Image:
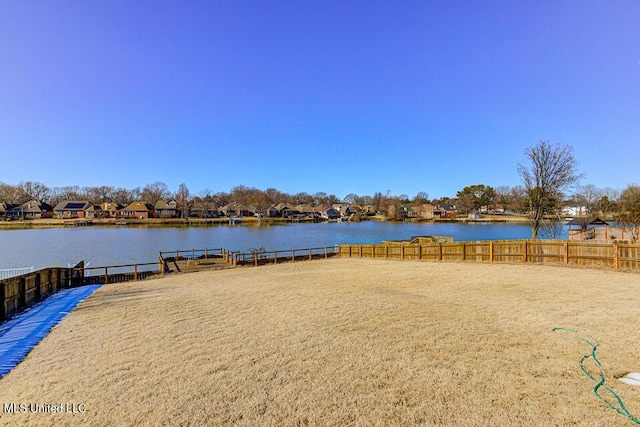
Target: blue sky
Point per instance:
(334, 96)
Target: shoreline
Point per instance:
(200, 222)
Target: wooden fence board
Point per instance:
(584, 254)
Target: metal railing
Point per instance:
(6, 273)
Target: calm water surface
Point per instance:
(127, 245)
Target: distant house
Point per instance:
(202, 209)
(93, 211)
(6, 209)
(137, 210)
(306, 210)
(237, 209)
(164, 209)
(33, 209)
(73, 209)
(282, 210)
(110, 209)
(449, 210)
(407, 211)
(345, 209)
(330, 213)
(575, 211)
(428, 211)
(272, 212)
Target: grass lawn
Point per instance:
(340, 342)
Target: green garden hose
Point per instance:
(618, 406)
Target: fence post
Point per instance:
(38, 291)
(524, 251)
(310, 256)
(349, 251)
(205, 253)
(135, 272)
(325, 253)
(106, 275)
(275, 257)
(22, 297)
(464, 251)
(566, 252)
(160, 263)
(491, 249)
(3, 296)
(255, 259)
(616, 256)
(293, 255)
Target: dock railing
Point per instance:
(262, 257)
(119, 273)
(615, 255)
(167, 258)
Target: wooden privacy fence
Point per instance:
(613, 255)
(20, 292)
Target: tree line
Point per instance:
(550, 181)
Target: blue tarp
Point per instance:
(20, 334)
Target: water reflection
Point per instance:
(126, 245)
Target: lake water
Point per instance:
(127, 245)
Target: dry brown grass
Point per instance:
(339, 342)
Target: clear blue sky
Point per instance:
(335, 96)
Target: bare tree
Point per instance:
(101, 194)
(350, 198)
(33, 190)
(587, 196)
(68, 192)
(123, 196)
(608, 200)
(9, 193)
(152, 193)
(627, 216)
(552, 171)
(421, 197)
(552, 227)
(517, 196)
(183, 197)
(501, 196)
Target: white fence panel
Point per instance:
(12, 272)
